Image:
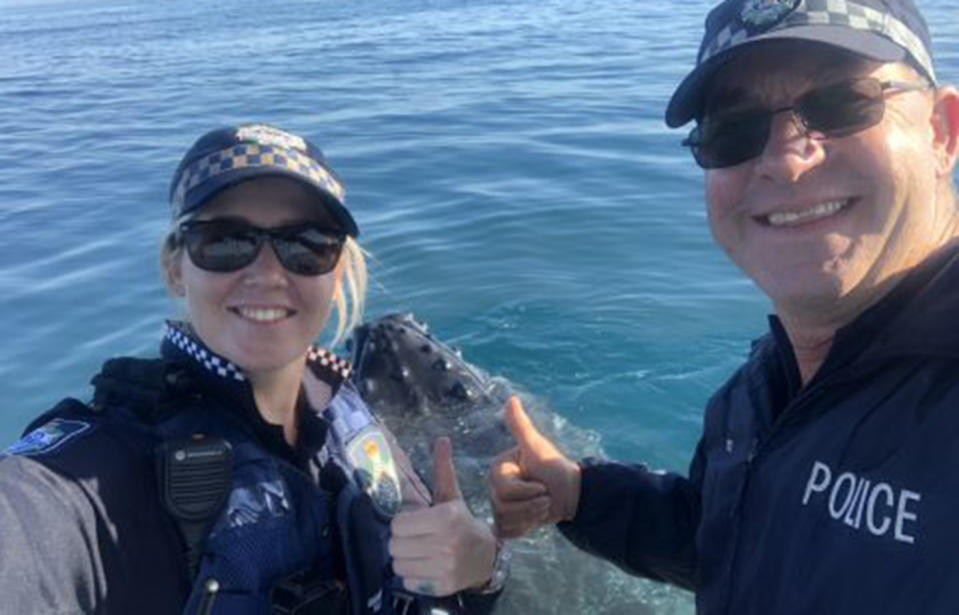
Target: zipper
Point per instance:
(210, 589)
(788, 417)
(756, 447)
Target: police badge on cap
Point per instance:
(265, 134)
(759, 15)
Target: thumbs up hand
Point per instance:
(533, 483)
(442, 549)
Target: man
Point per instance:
(825, 478)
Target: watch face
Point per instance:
(759, 15)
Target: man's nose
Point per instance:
(790, 151)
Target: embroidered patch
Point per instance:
(373, 462)
(762, 14)
(249, 504)
(47, 437)
(269, 135)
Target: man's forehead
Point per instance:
(781, 66)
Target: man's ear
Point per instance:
(945, 126)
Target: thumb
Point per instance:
(445, 486)
(523, 430)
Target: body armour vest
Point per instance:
(283, 529)
(289, 529)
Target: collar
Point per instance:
(915, 319)
(226, 383)
(181, 342)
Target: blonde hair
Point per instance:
(349, 304)
(349, 294)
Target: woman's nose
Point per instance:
(266, 267)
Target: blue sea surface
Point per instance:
(506, 160)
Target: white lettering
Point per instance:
(871, 509)
(856, 501)
(903, 515)
(851, 513)
(862, 503)
(843, 478)
(819, 485)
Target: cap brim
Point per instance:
(687, 101)
(214, 185)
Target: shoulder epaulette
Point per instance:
(154, 389)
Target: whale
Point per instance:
(421, 388)
(397, 362)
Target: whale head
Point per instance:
(398, 363)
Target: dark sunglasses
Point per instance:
(832, 111)
(224, 245)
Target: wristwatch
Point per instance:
(500, 569)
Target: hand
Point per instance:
(532, 484)
(442, 549)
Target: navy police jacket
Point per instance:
(85, 525)
(840, 496)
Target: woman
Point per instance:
(240, 472)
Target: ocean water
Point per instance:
(507, 163)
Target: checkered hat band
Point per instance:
(249, 155)
(205, 357)
(833, 13)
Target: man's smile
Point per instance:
(805, 215)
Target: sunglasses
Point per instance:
(224, 245)
(833, 111)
